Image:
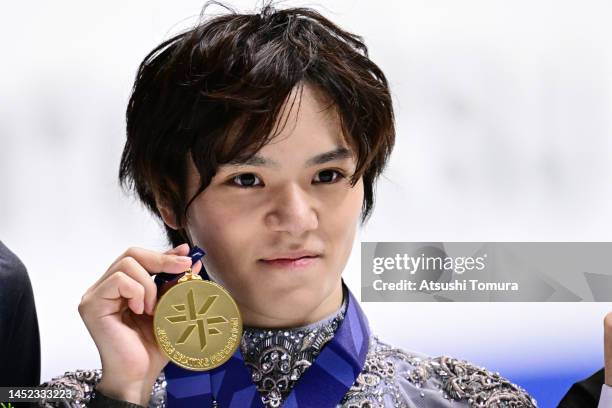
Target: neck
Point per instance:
(327, 307)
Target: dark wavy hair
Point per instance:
(216, 90)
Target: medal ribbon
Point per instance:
(323, 384)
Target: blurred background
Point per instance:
(503, 134)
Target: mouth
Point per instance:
(300, 262)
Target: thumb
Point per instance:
(181, 250)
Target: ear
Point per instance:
(166, 212)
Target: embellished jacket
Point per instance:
(391, 378)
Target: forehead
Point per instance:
(308, 123)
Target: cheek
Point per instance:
(351, 206)
(223, 232)
(216, 218)
(341, 221)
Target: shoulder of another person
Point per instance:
(12, 271)
(393, 377)
(83, 382)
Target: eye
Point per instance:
(328, 176)
(245, 180)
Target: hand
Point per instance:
(118, 312)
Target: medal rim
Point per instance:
(229, 356)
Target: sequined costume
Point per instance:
(391, 377)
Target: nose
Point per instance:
(292, 211)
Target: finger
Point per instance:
(174, 261)
(142, 254)
(117, 287)
(152, 261)
(156, 262)
(182, 249)
(196, 268)
(134, 270)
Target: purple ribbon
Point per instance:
(323, 384)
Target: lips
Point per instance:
(292, 263)
(294, 255)
(295, 259)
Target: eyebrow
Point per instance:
(339, 153)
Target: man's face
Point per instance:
(292, 198)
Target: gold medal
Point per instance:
(197, 324)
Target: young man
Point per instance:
(259, 137)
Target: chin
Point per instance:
(294, 298)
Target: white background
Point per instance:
(503, 134)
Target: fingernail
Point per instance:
(183, 259)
